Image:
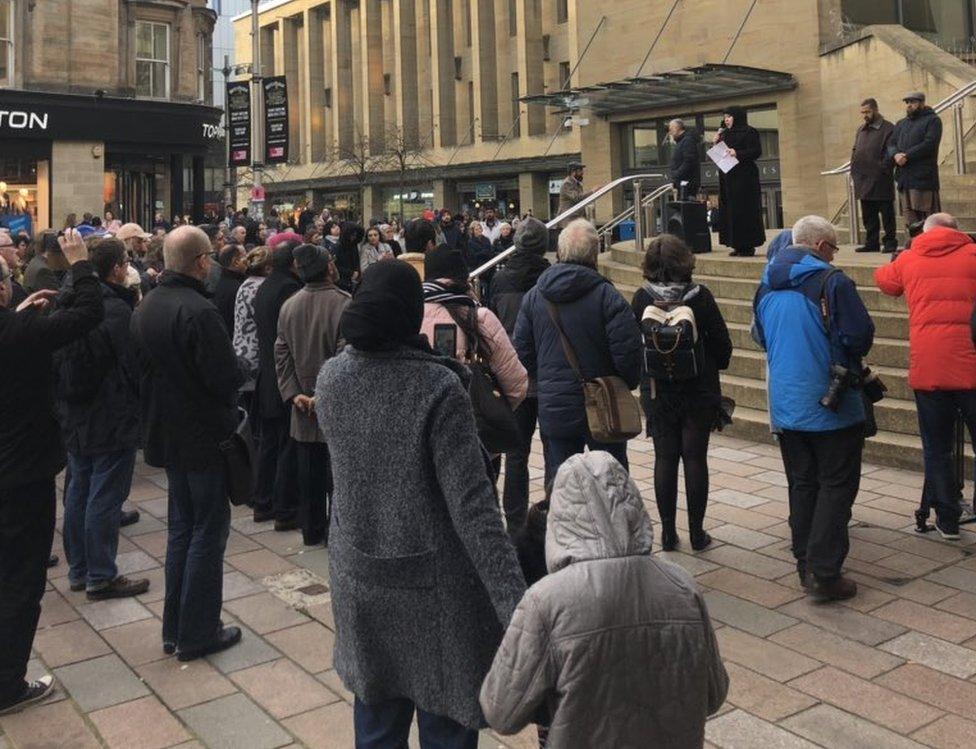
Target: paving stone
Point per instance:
(140, 724)
(69, 643)
(747, 561)
(334, 683)
(963, 604)
(289, 542)
(731, 454)
(238, 585)
(843, 621)
(934, 687)
(325, 728)
(153, 543)
(316, 560)
(259, 564)
(234, 722)
(763, 656)
(758, 695)
(251, 651)
(745, 615)
(265, 613)
(867, 551)
(181, 685)
(245, 524)
(323, 613)
(828, 726)
(692, 564)
(158, 508)
(910, 565)
(867, 699)
(744, 538)
(741, 517)
(950, 732)
(148, 523)
(113, 613)
(929, 620)
(101, 682)
(938, 550)
(921, 591)
(867, 599)
(740, 730)
(238, 543)
(735, 498)
(132, 562)
(282, 688)
(935, 653)
(309, 645)
(49, 726)
(955, 577)
(755, 589)
(838, 651)
(137, 643)
(55, 610)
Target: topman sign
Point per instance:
(19, 120)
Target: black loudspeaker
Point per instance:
(688, 219)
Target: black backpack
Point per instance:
(672, 348)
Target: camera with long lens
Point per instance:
(842, 379)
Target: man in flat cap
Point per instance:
(572, 191)
(914, 149)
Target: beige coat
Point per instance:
(570, 194)
(308, 335)
(615, 643)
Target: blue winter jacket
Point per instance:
(602, 329)
(789, 326)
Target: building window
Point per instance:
(202, 64)
(152, 60)
(564, 74)
(516, 129)
(467, 23)
(562, 11)
(512, 17)
(6, 43)
(945, 23)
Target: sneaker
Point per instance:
(120, 587)
(34, 692)
(169, 647)
(835, 589)
(128, 517)
(922, 521)
(53, 561)
(966, 514)
(948, 529)
(226, 638)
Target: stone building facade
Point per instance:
(462, 103)
(119, 93)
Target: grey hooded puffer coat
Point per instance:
(615, 643)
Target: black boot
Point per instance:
(669, 535)
(700, 539)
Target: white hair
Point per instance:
(810, 231)
(678, 123)
(940, 219)
(578, 243)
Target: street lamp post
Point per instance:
(257, 124)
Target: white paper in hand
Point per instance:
(719, 153)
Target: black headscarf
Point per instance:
(387, 310)
(740, 118)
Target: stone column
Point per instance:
(484, 67)
(343, 111)
(442, 73)
(287, 64)
(530, 65)
(407, 88)
(313, 111)
(77, 178)
(371, 43)
(534, 194)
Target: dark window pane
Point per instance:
(870, 11)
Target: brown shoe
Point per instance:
(120, 587)
(835, 589)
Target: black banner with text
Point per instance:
(275, 120)
(239, 123)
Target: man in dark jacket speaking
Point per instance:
(189, 380)
(873, 173)
(685, 167)
(601, 328)
(914, 149)
(31, 454)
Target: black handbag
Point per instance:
(238, 453)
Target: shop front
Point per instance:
(62, 154)
(408, 202)
(501, 194)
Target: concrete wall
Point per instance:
(78, 170)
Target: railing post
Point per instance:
(638, 217)
(958, 133)
(852, 209)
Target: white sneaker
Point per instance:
(37, 691)
(966, 512)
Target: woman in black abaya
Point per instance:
(740, 200)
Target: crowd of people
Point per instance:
(385, 390)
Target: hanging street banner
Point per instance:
(239, 123)
(275, 120)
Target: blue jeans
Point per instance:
(199, 523)
(560, 449)
(97, 487)
(386, 725)
(936, 421)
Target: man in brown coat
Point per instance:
(572, 191)
(873, 175)
(308, 335)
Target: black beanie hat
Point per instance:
(443, 262)
(532, 236)
(387, 310)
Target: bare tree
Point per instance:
(403, 155)
(356, 158)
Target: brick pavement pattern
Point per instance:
(894, 667)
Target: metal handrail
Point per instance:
(554, 222)
(629, 212)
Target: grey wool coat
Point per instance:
(424, 576)
(616, 644)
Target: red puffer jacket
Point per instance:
(938, 278)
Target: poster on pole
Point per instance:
(275, 120)
(239, 123)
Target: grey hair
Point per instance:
(809, 231)
(578, 243)
(677, 122)
(940, 219)
(183, 246)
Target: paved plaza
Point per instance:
(894, 667)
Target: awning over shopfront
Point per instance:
(674, 90)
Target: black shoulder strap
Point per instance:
(567, 346)
(822, 297)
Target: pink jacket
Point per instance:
(504, 363)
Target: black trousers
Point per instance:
(684, 440)
(875, 213)
(516, 492)
(314, 491)
(277, 481)
(824, 474)
(26, 534)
